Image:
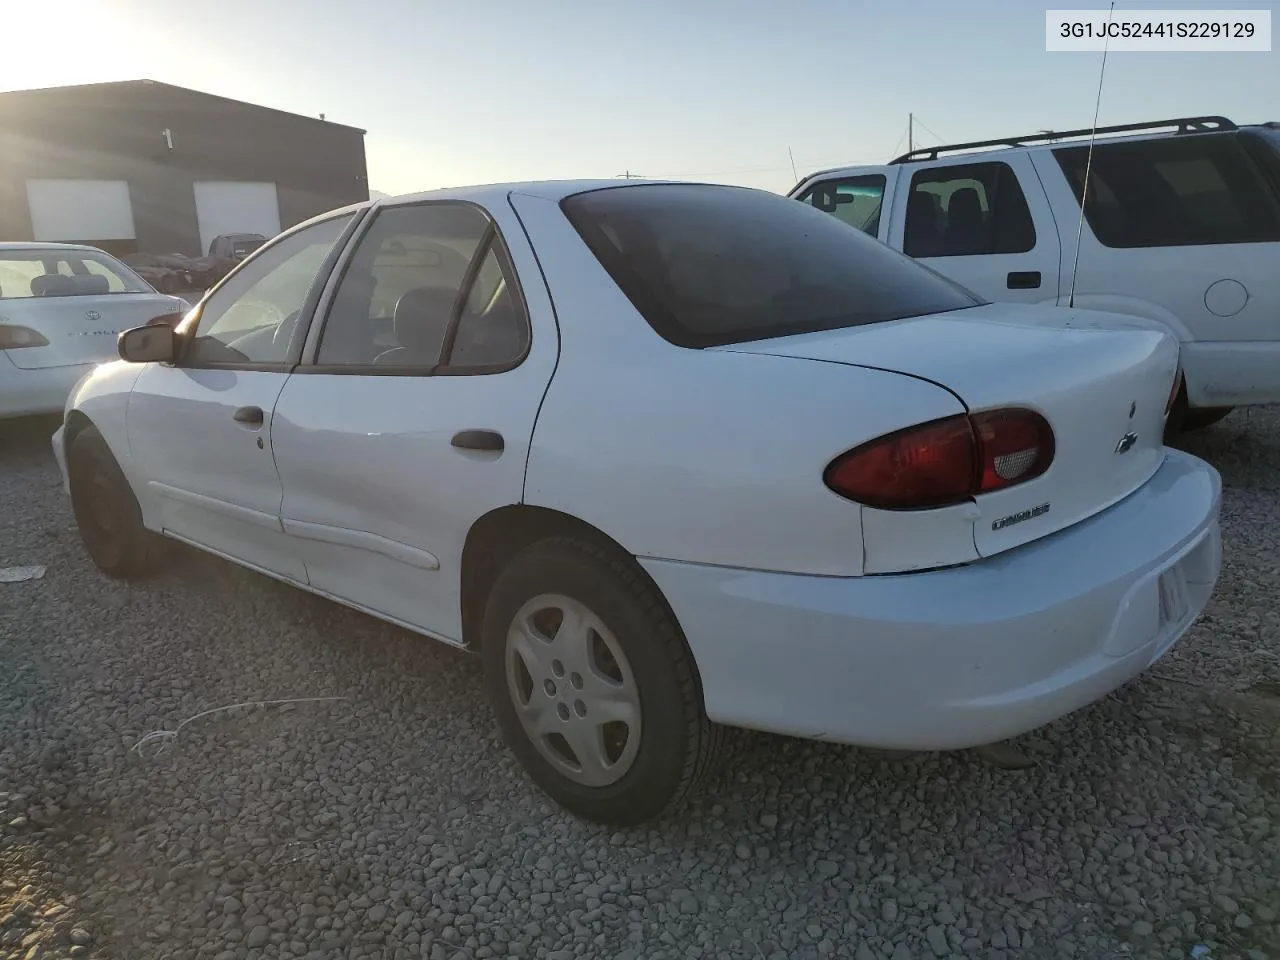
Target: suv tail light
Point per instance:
(12, 337)
(946, 461)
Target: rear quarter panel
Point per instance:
(701, 456)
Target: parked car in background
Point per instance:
(167, 273)
(667, 456)
(235, 246)
(1181, 226)
(61, 308)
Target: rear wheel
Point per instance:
(1200, 417)
(106, 510)
(594, 688)
(1185, 419)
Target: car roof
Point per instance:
(27, 246)
(996, 150)
(485, 194)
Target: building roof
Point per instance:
(125, 86)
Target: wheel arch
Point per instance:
(500, 534)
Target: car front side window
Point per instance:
(855, 200)
(251, 319)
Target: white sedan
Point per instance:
(61, 308)
(668, 457)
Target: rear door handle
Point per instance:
(1024, 280)
(489, 441)
(249, 416)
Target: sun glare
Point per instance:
(97, 41)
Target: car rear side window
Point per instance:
(1176, 191)
(974, 209)
(855, 200)
(429, 288)
(714, 265)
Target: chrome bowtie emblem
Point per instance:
(1126, 442)
(93, 315)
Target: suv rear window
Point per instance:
(713, 265)
(1176, 191)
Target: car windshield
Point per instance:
(64, 273)
(712, 265)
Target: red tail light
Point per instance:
(945, 462)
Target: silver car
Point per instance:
(61, 308)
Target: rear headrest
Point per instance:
(422, 319)
(91, 284)
(52, 285)
(965, 208)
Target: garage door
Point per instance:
(225, 206)
(80, 211)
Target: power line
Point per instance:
(920, 123)
(806, 164)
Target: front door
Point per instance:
(859, 197)
(200, 429)
(987, 225)
(412, 412)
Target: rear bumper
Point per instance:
(964, 656)
(1232, 373)
(43, 390)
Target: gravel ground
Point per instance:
(391, 822)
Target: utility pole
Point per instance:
(911, 139)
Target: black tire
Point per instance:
(677, 743)
(1197, 418)
(106, 510)
(1185, 419)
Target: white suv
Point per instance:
(1182, 226)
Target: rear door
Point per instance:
(412, 413)
(1185, 229)
(985, 224)
(860, 197)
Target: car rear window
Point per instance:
(712, 265)
(1174, 191)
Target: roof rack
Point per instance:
(1184, 125)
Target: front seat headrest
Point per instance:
(421, 320)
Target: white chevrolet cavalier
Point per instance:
(669, 457)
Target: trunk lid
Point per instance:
(81, 329)
(1101, 380)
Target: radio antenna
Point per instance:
(1088, 164)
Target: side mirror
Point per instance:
(154, 343)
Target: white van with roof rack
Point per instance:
(1181, 226)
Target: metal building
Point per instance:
(146, 166)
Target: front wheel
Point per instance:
(594, 688)
(106, 510)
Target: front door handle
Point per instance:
(1024, 280)
(249, 416)
(490, 441)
